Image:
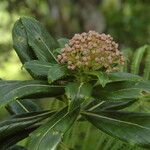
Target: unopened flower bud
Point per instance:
(90, 50)
(59, 57)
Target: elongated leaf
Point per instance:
(10, 129)
(50, 134)
(17, 147)
(96, 105)
(23, 106)
(38, 68)
(11, 90)
(40, 40)
(77, 93)
(122, 94)
(123, 76)
(102, 77)
(78, 90)
(56, 72)
(137, 59)
(133, 128)
(20, 42)
(131, 93)
(128, 53)
(147, 65)
(145, 85)
(122, 91)
(15, 138)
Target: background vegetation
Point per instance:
(126, 20)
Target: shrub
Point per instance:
(93, 90)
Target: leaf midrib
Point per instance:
(40, 65)
(112, 119)
(49, 130)
(34, 85)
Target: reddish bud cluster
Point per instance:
(91, 51)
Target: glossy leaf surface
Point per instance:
(24, 106)
(40, 40)
(96, 105)
(122, 91)
(78, 90)
(38, 68)
(133, 128)
(20, 43)
(10, 129)
(123, 76)
(14, 90)
(49, 135)
(56, 72)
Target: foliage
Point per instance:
(128, 19)
(100, 103)
(138, 62)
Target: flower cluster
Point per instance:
(91, 51)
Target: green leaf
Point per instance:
(130, 93)
(56, 72)
(122, 94)
(49, 135)
(102, 77)
(15, 90)
(146, 71)
(127, 52)
(123, 76)
(17, 147)
(57, 51)
(122, 91)
(38, 68)
(77, 93)
(133, 128)
(40, 40)
(78, 90)
(20, 43)
(145, 85)
(137, 58)
(96, 105)
(23, 106)
(24, 124)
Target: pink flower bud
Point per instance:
(72, 67)
(77, 57)
(59, 57)
(69, 62)
(89, 50)
(97, 59)
(86, 63)
(84, 59)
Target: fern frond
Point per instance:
(146, 73)
(137, 58)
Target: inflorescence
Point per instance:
(91, 51)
